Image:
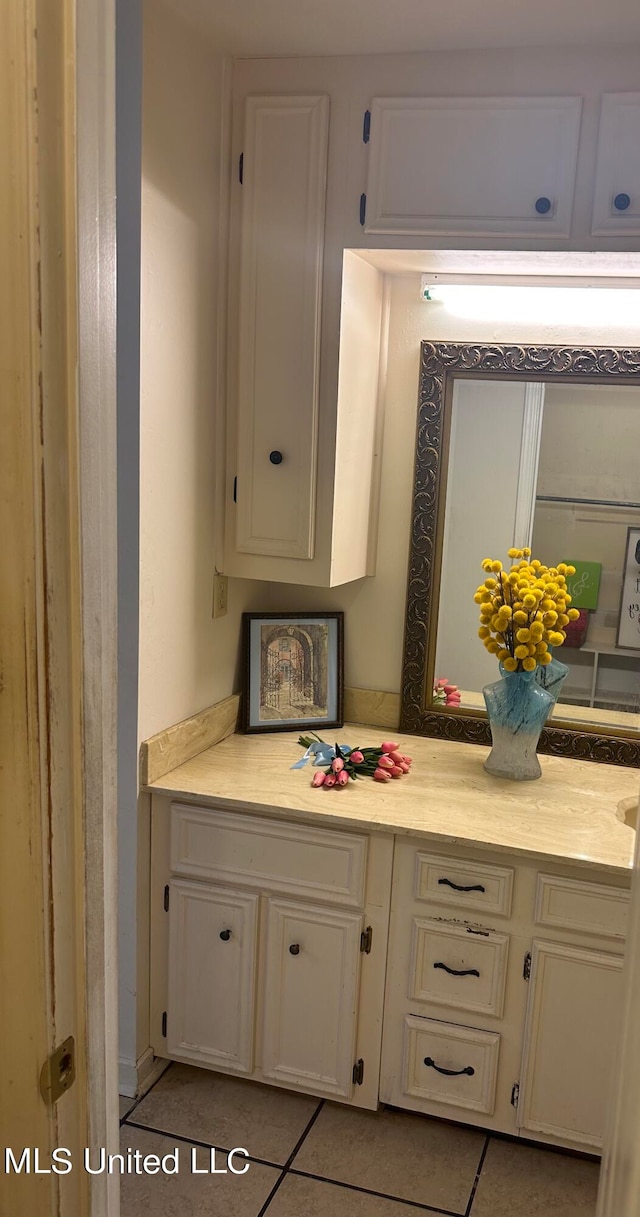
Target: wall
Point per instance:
(374, 607)
(187, 660)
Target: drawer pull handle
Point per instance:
(449, 1073)
(453, 972)
(475, 887)
(225, 935)
(294, 949)
(275, 457)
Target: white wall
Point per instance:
(187, 660)
(375, 607)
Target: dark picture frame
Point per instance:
(293, 671)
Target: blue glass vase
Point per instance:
(517, 707)
(552, 677)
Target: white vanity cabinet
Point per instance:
(468, 165)
(269, 948)
(503, 993)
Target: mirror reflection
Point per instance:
(553, 466)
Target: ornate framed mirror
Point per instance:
(526, 445)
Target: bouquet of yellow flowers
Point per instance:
(523, 611)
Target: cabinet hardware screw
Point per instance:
(225, 935)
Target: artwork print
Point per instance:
(293, 670)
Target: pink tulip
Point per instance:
(451, 688)
(387, 746)
(396, 757)
(407, 760)
(356, 756)
(318, 779)
(380, 775)
(404, 767)
(396, 772)
(330, 780)
(385, 762)
(444, 680)
(342, 779)
(337, 765)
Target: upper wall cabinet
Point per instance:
(616, 200)
(304, 362)
(467, 165)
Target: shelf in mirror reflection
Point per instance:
(564, 710)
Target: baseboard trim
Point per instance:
(135, 1078)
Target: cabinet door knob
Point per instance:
(449, 1073)
(621, 202)
(543, 205)
(275, 457)
(294, 949)
(225, 935)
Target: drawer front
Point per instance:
(467, 885)
(450, 967)
(268, 855)
(586, 908)
(444, 1063)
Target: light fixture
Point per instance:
(577, 306)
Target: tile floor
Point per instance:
(310, 1158)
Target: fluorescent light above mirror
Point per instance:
(551, 305)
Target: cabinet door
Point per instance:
(282, 240)
(212, 963)
(464, 165)
(311, 993)
(616, 200)
(571, 1033)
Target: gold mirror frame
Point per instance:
(440, 365)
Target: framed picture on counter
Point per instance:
(293, 671)
(629, 620)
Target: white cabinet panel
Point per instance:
(212, 961)
(282, 241)
(450, 1064)
(270, 855)
(571, 1034)
(465, 165)
(312, 971)
(616, 199)
(467, 885)
(585, 908)
(451, 968)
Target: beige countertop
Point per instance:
(569, 814)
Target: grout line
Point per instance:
(174, 1136)
(287, 1165)
(477, 1178)
(368, 1191)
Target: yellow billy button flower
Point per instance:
(521, 652)
(541, 648)
(523, 635)
(550, 618)
(556, 639)
(571, 570)
(563, 619)
(529, 601)
(520, 617)
(492, 646)
(510, 664)
(573, 614)
(490, 584)
(484, 631)
(514, 553)
(496, 566)
(529, 664)
(486, 564)
(545, 658)
(504, 654)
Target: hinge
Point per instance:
(166, 898)
(363, 208)
(515, 1094)
(235, 490)
(164, 1024)
(366, 127)
(366, 939)
(58, 1072)
(358, 1072)
(241, 168)
(526, 971)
